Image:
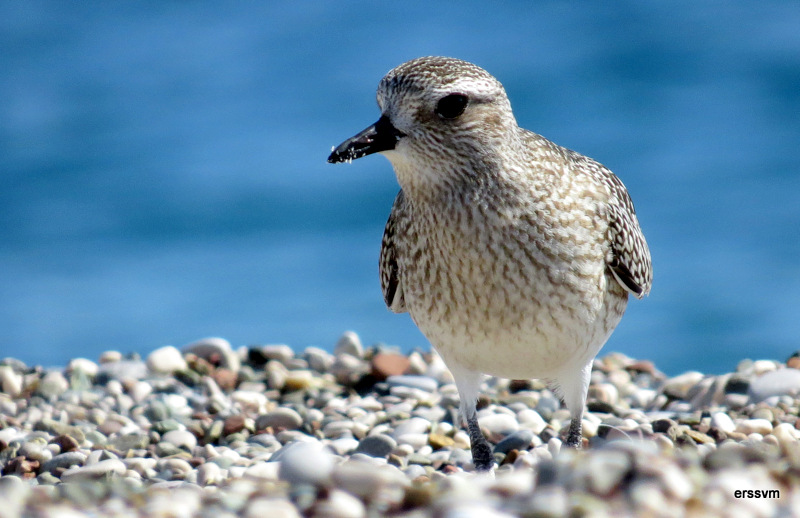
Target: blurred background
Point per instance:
(163, 174)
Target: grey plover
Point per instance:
(513, 255)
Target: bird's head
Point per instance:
(435, 110)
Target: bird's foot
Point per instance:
(482, 456)
(574, 435)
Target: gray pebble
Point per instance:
(306, 463)
(64, 460)
(349, 343)
(378, 445)
(318, 359)
(281, 417)
(101, 470)
(519, 440)
(775, 383)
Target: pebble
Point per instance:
(215, 350)
(166, 360)
(282, 417)
(306, 463)
(349, 343)
(321, 434)
(775, 383)
(423, 383)
(518, 440)
(180, 439)
(378, 445)
(103, 469)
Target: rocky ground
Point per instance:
(267, 432)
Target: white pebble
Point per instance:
(166, 360)
(723, 421)
(750, 426)
(306, 463)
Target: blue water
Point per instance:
(163, 174)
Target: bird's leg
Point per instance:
(482, 455)
(468, 383)
(574, 436)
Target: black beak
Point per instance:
(381, 136)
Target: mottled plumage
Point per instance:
(513, 255)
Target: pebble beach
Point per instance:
(210, 430)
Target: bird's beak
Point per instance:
(381, 136)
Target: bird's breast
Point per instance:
(476, 278)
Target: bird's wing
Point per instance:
(390, 274)
(629, 261)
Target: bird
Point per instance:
(514, 256)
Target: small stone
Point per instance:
(389, 364)
(340, 504)
(180, 439)
(723, 421)
(365, 479)
(412, 425)
(519, 440)
(166, 360)
(64, 460)
(10, 381)
(318, 359)
(306, 463)
(775, 383)
(280, 352)
(88, 367)
(349, 343)
(215, 350)
(209, 473)
(378, 445)
(65, 443)
(699, 437)
(104, 469)
(281, 418)
(760, 426)
(110, 357)
(299, 380)
(225, 378)
(679, 386)
(439, 441)
(276, 374)
(131, 441)
(52, 385)
(498, 424)
(234, 424)
(424, 383)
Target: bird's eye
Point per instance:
(451, 106)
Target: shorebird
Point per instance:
(514, 256)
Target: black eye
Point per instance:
(451, 106)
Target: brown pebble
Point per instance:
(389, 364)
(233, 424)
(449, 468)
(794, 361)
(439, 441)
(645, 366)
(65, 443)
(700, 437)
(511, 457)
(21, 466)
(225, 378)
